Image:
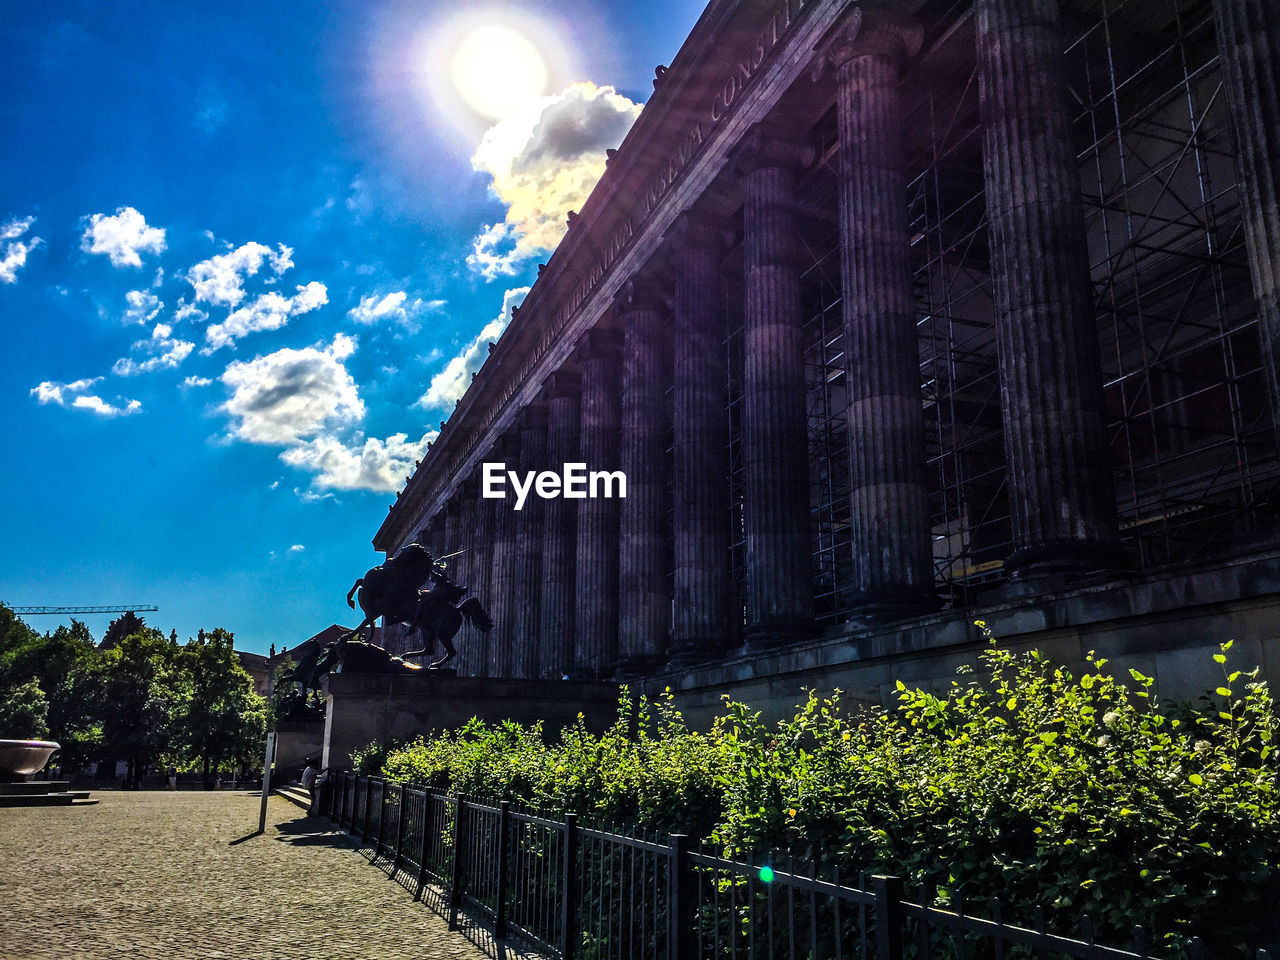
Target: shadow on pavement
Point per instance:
(312, 832)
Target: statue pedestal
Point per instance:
(297, 739)
(363, 707)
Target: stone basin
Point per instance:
(23, 757)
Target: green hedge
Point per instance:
(1024, 781)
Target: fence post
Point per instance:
(679, 935)
(348, 802)
(504, 828)
(422, 848)
(382, 819)
(368, 795)
(457, 869)
(569, 889)
(395, 863)
(889, 896)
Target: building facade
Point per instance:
(896, 316)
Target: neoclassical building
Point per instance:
(896, 316)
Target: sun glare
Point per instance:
(496, 69)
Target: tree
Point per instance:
(23, 709)
(222, 720)
(125, 625)
(143, 689)
(23, 706)
(70, 671)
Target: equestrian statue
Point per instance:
(395, 591)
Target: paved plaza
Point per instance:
(152, 875)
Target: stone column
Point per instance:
(560, 526)
(1060, 491)
(775, 455)
(462, 572)
(526, 658)
(596, 612)
(702, 628)
(482, 577)
(502, 582)
(453, 532)
(644, 604)
(1249, 47)
(888, 505)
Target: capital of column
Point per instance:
(561, 385)
(597, 344)
(637, 294)
(766, 145)
(507, 445)
(696, 231)
(888, 34)
(533, 417)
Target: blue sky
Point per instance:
(249, 255)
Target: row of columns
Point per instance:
(581, 587)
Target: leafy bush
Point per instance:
(1024, 782)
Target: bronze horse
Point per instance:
(394, 591)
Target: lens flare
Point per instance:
(496, 69)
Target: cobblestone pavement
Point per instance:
(158, 875)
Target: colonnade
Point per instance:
(581, 587)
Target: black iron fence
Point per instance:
(579, 893)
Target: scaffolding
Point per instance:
(1192, 442)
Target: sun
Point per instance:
(496, 69)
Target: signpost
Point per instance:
(266, 780)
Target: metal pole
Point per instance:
(266, 780)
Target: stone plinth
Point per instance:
(296, 740)
(367, 707)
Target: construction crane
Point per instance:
(126, 608)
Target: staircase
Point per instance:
(295, 794)
(43, 793)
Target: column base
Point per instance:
(881, 607)
(635, 667)
(763, 637)
(693, 652)
(1069, 559)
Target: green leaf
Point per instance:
(1196, 779)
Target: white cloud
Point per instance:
(72, 396)
(394, 307)
(194, 381)
(164, 352)
(16, 227)
(103, 409)
(50, 391)
(270, 311)
(378, 465)
(122, 236)
(220, 279)
(13, 252)
(544, 160)
(143, 306)
(291, 395)
(297, 548)
(448, 386)
(189, 312)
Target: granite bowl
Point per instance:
(23, 757)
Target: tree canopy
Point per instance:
(139, 696)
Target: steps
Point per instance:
(295, 794)
(43, 793)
